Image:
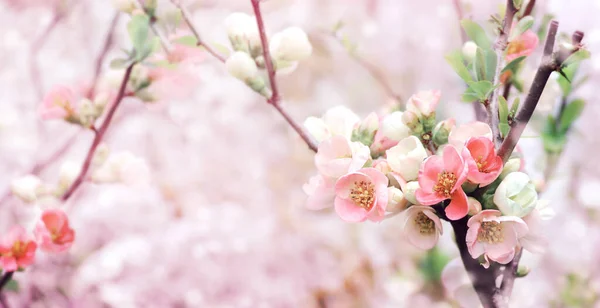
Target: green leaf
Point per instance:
(577, 57)
(523, 25)
(138, 29)
(455, 60)
(490, 64)
(503, 115)
(12, 285)
(476, 33)
(481, 89)
(570, 114)
(187, 40)
(120, 63)
(433, 264)
(479, 64)
(513, 65)
(564, 80)
(514, 107)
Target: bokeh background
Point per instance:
(217, 218)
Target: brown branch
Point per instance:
(548, 65)
(99, 135)
(108, 41)
(200, 42)
(528, 8)
(275, 99)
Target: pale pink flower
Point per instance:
(494, 236)
(361, 195)
(320, 191)
(59, 103)
(534, 240)
(53, 232)
(424, 103)
(440, 178)
(337, 156)
(484, 165)
(422, 226)
(17, 250)
(462, 133)
(523, 45)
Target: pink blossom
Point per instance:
(422, 226)
(337, 156)
(424, 103)
(440, 178)
(484, 165)
(320, 191)
(17, 250)
(186, 54)
(53, 232)
(59, 103)
(462, 133)
(523, 45)
(361, 195)
(494, 236)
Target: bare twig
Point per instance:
(200, 42)
(275, 98)
(99, 135)
(528, 8)
(108, 41)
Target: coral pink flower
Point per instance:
(337, 156)
(494, 236)
(320, 191)
(440, 178)
(59, 103)
(523, 45)
(17, 250)
(361, 195)
(53, 232)
(422, 226)
(484, 165)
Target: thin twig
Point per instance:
(200, 42)
(108, 41)
(99, 135)
(460, 15)
(36, 46)
(275, 98)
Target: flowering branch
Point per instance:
(199, 42)
(99, 134)
(275, 98)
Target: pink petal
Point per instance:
(428, 198)
(459, 206)
(348, 211)
(430, 169)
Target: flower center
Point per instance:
(17, 250)
(445, 183)
(426, 225)
(363, 194)
(515, 47)
(490, 232)
(481, 164)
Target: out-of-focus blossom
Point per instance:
(125, 6)
(523, 45)
(458, 285)
(516, 195)
(534, 240)
(337, 121)
(320, 191)
(17, 250)
(494, 236)
(422, 226)
(291, 44)
(53, 232)
(462, 133)
(396, 200)
(123, 167)
(440, 178)
(424, 103)
(68, 172)
(27, 188)
(337, 156)
(406, 157)
(361, 195)
(242, 31)
(59, 103)
(484, 164)
(241, 66)
(469, 49)
(181, 53)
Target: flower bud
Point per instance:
(243, 32)
(409, 192)
(512, 165)
(291, 44)
(474, 206)
(67, 174)
(469, 50)
(365, 132)
(396, 200)
(27, 188)
(406, 157)
(424, 103)
(393, 128)
(257, 83)
(101, 154)
(241, 66)
(516, 195)
(442, 131)
(125, 6)
(382, 165)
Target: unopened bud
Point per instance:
(241, 66)
(243, 32)
(27, 188)
(396, 200)
(409, 192)
(442, 131)
(365, 132)
(522, 271)
(291, 44)
(258, 84)
(512, 165)
(474, 206)
(469, 50)
(67, 174)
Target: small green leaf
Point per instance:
(433, 264)
(518, 84)
(564, 79)
(456, 62)
(479, 64)
(523, 25)
(490, 64)
(119, 63)
(514, 107)
(12, 285)
(504, 129)
(476, 33)
(470, 96)
(570, 114)
(138, 29)
(502, 109)
(513, 65)
(518, 4)
(577, 57)
(187, 40)
(482, 89)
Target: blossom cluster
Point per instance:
(52, 234)
(406, 162)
